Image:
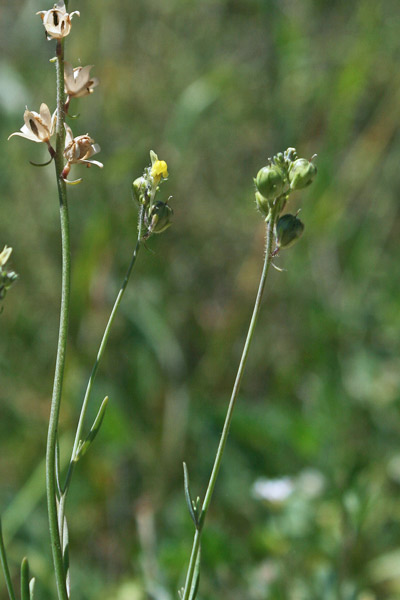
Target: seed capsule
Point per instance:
(288, 230)
(270, 181)
(160, 217)
(301, 173)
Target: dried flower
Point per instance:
(5, 255)
(78, 82)
(38, 127)
(78, 150)
(56, 21)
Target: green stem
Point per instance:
(51, 485)
(228, 418)
(6, 570)
(100, 353)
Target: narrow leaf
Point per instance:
(84, 445)
(57, 467)
(4, 564)
(32, 588)
(188, 496)
(25, 579)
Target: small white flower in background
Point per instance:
(56, 21)
(275, 491)
(310, 482)
(79, 150)
(78, 82)
(5, 255)
(39, 127)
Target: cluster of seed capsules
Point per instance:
(274, 183)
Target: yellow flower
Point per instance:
(159, 169)
(56, 21)
(78, 82)
(5, 255)
(39, 127)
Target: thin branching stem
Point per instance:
(93, 373)
(51, 483)
(224, 436)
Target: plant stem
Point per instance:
(100, 353)
(6, 570)
(231, 406)
(51, 486)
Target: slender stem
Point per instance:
(51, 485)
(6, 570)
(231, 406)
(100, 353)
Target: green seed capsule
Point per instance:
(301, 173)
(160, 217)
(263, 204)
(270, 181)
(288, 230)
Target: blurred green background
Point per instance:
(308, 501)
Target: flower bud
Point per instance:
(288, 230)
(263, 204)
(139, 190)
(5, 255)
(270, 181)
(160, 217)
(301, 173)
(7, 279)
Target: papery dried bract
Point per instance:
(56, 21)
(79, 150)
(78, 82)
(38, 127)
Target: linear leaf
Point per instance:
(84, 445)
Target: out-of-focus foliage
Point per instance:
(214, 87)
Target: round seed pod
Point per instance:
(288, 230)
(301, 173)
(270, 181)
